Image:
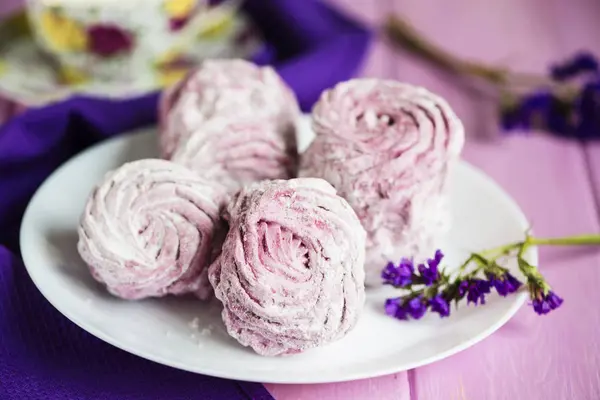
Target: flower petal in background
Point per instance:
(178, 9)
(588, 108)
(107, 40)
(568, 111)
(62, 33)
(541, 110)
(72, 76)
(580, 63)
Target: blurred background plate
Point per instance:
(30, 77)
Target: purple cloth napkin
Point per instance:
(42, 354)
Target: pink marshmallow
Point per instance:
(233, 90)
(290, 275)
(148, 230)
(238, 153)
(387, 148)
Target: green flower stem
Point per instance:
(522, 250)
(579, 240)
(404, 35)
(501, 250)
(466, 263)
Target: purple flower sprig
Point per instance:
(543, 299)
(568, 104)
(432, 288)
(404, 274)
(564, 101)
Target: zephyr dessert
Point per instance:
(290, 275)
(290, 272)
(148, 230)
(387, 147)
(232, 91)
(238, 153)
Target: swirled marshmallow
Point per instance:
(387, 148)
(290, 275)
(148, 230)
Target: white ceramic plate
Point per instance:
(187, 334)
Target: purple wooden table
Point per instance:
(556, 182)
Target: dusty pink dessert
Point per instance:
(290, 275)
(238, 153)
(387, 147)
(232, 90)
(148, 229)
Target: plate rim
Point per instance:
(517, 302)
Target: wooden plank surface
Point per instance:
(552, 357)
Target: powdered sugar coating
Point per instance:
(290, 275)
(148, 230)
(235, 90)
(238, 153)
(387, 148)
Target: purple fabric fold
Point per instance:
(42, 354)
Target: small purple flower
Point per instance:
(109, 40)
(538, 101)
(176, 24)
(439, 305)
(540, 110)
(416, 307)
(543, 110)
(477, 289)
(400, 275)
(463, 288)
(544, 304)
(511, 119)
(580, 63)
(505, 284)
(588, 108)
(393, 308)
(437, 258)
(430, 274)
(559, 117)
